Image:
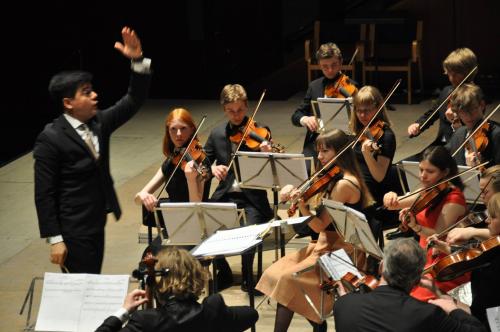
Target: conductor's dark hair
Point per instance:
(66, 83)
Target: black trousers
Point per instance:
(85, 254)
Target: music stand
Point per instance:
(266, 170)
(183, 219)
(353, 226)
(330, 110)
(469, 179)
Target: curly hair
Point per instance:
(185, 277)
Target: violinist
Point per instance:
(219, 147)
(187, 184)
(484, 280)
(334, 84)
(390, 307)
(434, 210)
(346, 186)
(468, 102)
(375, 150)
(456, 66)
(177, 292)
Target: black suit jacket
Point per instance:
(315, 90)
(445, 129)
(491, 153)
(189, 315)
(218, 148)
(73, 191)
(390, 309)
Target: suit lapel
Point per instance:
(69, 131)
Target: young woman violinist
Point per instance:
(186, 184)
(441, 212)
(277, 282)
(484, 280)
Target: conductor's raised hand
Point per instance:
(131, 46)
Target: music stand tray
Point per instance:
(353, 226)
(266, 170)
(335, 112)
(469, 179)
(191, 223)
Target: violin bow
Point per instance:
(247, 127)
(183, 156)
(381, 107)
(471, 135)
(442, 181)
(446, 99)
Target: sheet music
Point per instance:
(336, 264)
(231, 241)
(79, 302)
(494, 318)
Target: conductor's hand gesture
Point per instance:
(131, 46)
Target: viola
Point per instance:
(374, 134)
(197, 154)
(465, 260)
(317, 186)
(342, 88)
(254, 137)
(427, 198)
(352, 283)
(480, 139)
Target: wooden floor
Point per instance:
(135, 157)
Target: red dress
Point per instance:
(428, 218)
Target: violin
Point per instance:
(196, 153)
(255, 136)
(374, 134)
(472, 218)
(317, 186)
(427, 198)
(465, 260)
(479, 139)
(352, 283)
(342, 88)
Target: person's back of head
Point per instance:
(403, 264)
(66, 83)
(185, 277)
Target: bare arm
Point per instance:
(145, 196)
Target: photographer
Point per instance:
(177, 292)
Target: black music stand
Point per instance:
(266, 170)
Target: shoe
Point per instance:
(397, 234)
(224, 280)
(256, 292)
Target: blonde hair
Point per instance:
(467, 97)
(185, 277)
(461, 61)
(327, 51)
(494, 172)
(367, 95)
(494, 206)
(232, 93)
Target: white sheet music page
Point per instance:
(494, 318)
(337, 263)
(79, 302)
(230, 241)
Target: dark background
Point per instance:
(198, 46)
